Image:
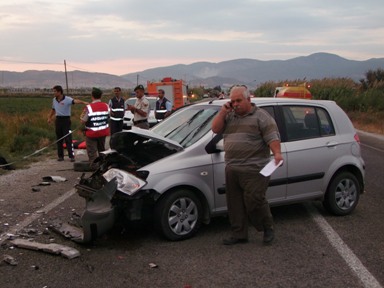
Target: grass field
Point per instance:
(24, 127)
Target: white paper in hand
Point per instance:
(270, 168)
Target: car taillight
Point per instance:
(357, 138)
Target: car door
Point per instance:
(310, 147)
(277, 189)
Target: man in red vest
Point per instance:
(95, 117)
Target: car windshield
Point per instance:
(152, 102)
(187, 125)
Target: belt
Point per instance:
(140, 121)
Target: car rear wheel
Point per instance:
(178, 215)
(343, 194)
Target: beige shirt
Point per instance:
(142, 104)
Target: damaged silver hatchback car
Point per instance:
(173, 174)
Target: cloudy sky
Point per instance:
(125, 36)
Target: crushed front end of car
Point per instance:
(117, 188)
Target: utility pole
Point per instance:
(66, 76)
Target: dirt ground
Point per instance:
(25, 191)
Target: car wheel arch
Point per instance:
(347, 168)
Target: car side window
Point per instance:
(306, 122)
(270, 110)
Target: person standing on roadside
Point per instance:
(163, 106)
(95, 118)
(61, 108)
(116, 105)
(141, 109)
(249, 134)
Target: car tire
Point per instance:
(178, 215)
(343, 194)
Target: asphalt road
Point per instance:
(312, 248)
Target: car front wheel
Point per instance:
(343, 194)
(178, 215)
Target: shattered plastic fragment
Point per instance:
(153, 265)
(54, 179)
(11, 236)
(10, 260)
(52, 248)
(44, 183)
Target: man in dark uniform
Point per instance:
(116, 105)
(163, 106)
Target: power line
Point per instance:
(82, 69)
(30, 62)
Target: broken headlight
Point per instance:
(126, 182)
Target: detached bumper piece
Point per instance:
(98, 216)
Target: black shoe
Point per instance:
(269, 235)
(60, 159)
(233, 241)
(72, 160)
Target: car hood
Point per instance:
(137, 133)
(136, 148)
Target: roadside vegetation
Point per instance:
(24, 128)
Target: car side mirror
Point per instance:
(220, 145)
(216, 145)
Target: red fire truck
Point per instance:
(175, 90)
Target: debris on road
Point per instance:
(54, 179)
(52, 248)
(153, 265)
(47, 180)
(67, 230)
(44, 183)
(10, 260)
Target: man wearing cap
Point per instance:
(95, 117)
(141, 109)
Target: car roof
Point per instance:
(337, 113)
(268, 100)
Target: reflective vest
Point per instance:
(98, 116)
(161, 108)
(117, 107)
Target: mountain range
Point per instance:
(240, 71)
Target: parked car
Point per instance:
(174, 172)
(128, 116)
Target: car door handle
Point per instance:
(332, 144)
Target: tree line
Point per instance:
(367, 95)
